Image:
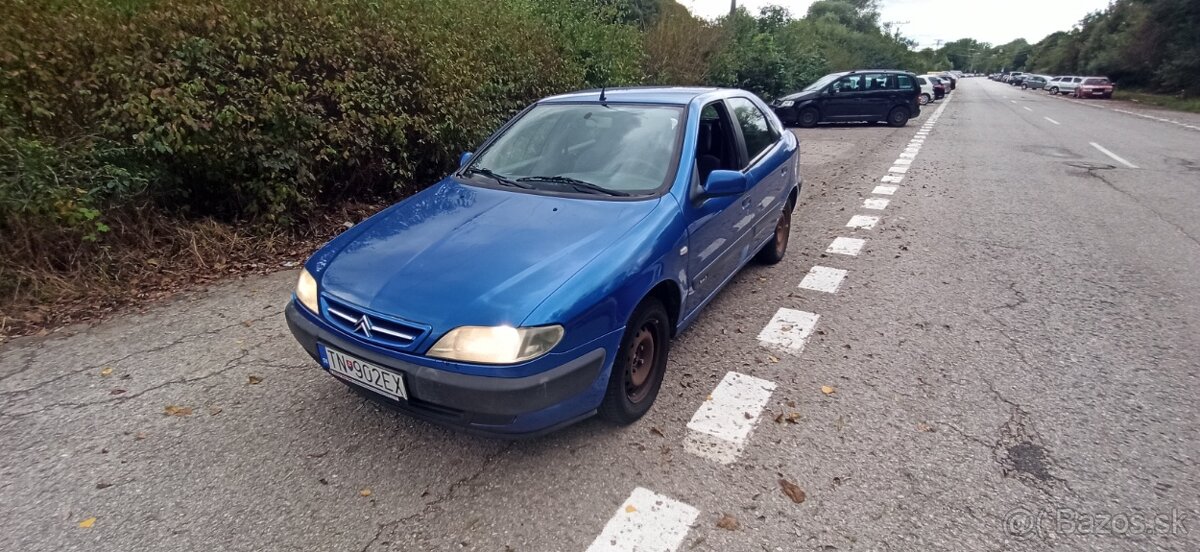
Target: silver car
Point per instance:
(1063, 85)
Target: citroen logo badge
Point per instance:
(363, 326)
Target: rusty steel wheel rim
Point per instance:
(640, 365)
(782, 231)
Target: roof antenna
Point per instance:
(603, 98)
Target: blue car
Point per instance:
(541, 282)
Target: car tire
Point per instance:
(808, 117)
(1024, 87)
(898, 117)
(1054, 91)
(773, 251)
(924, 99)
(641, 362)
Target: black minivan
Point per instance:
(867, 95)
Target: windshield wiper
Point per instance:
(579, 185)
(499, 178)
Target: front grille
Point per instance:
(372, 327)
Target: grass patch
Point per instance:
(1169, 101)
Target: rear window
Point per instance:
(1096, 82)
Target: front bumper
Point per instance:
(533, 404)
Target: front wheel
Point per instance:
(1054, 91)
(774, 250)
(924, 99)
(808, 118)
(898, 117)
(637, 372)
(1024, 87)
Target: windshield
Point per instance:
(1097, 82)
(586, 148)
(822, 82)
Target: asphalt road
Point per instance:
(1012, 358)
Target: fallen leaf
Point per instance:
(107, 371)
(254, 380)
(791, 404)
(656, 431)
(828, 390)
(629, 509)
(793, 491)
(139, 436)
(708, 398)
(793, 418)
(773, 359)
(365, 492)
(779, 418)
(922, 426)
(728, 523)
(214, 410)
(87, 523)
(172, 410)
(103, 485)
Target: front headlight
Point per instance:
(496, 344)
(306, 291)
(787, 103)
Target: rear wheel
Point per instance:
(1024, 87)
(898, 117)
(774, 250)
(924, 99)
(641, 363)
(1054, 91)
(808, 117)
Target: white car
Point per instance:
(926, 91)
(1063, 85)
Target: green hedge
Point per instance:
(259, 108)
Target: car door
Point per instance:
(878, 92)
(840, 99)
(766, 172)
(712, 252)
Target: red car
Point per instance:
(1094, 87)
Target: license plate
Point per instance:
(1097, 91)
(375, 378)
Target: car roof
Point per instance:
(670, 95)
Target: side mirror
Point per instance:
(464, 158)
(724, 183)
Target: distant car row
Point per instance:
(1079, 87)
(871, 95)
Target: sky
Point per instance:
(928, 21)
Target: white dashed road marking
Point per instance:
(862, 221)
(884, 190)
(892, 178)
(876, 203)
(1113, 155)
(823, 278)
(900, 170)
(1051, 120)
(1026, 108)
(788, 330)
(846, 246)
(646, 521)
(720, 428)
(903, 161)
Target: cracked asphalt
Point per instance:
(1018, 340)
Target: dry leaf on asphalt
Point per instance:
(87, 523)
(107, 371)
(793, 418)
(629, 509)
(365, 492)
(728, 523)
(773, 359)
(214, 410)
(922, 426)
(254, 380)
(828, 390)
(793, 491)
(172, 410)
(656, 431)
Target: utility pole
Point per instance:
(732, 7)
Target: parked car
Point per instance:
(1064, 85)
(871, 95)
(541, 282)
(950, 79)
(928, 93)
(1094, 87)
(940, 88)
(1033, 82)
(1018, 79)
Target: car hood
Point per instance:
(799, 96)
(457, 254)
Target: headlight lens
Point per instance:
(787, 103)
(496, 344)
(306, 291)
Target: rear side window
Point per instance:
(758, 133)
(921, 80)
(877, 81)
(906, 83)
